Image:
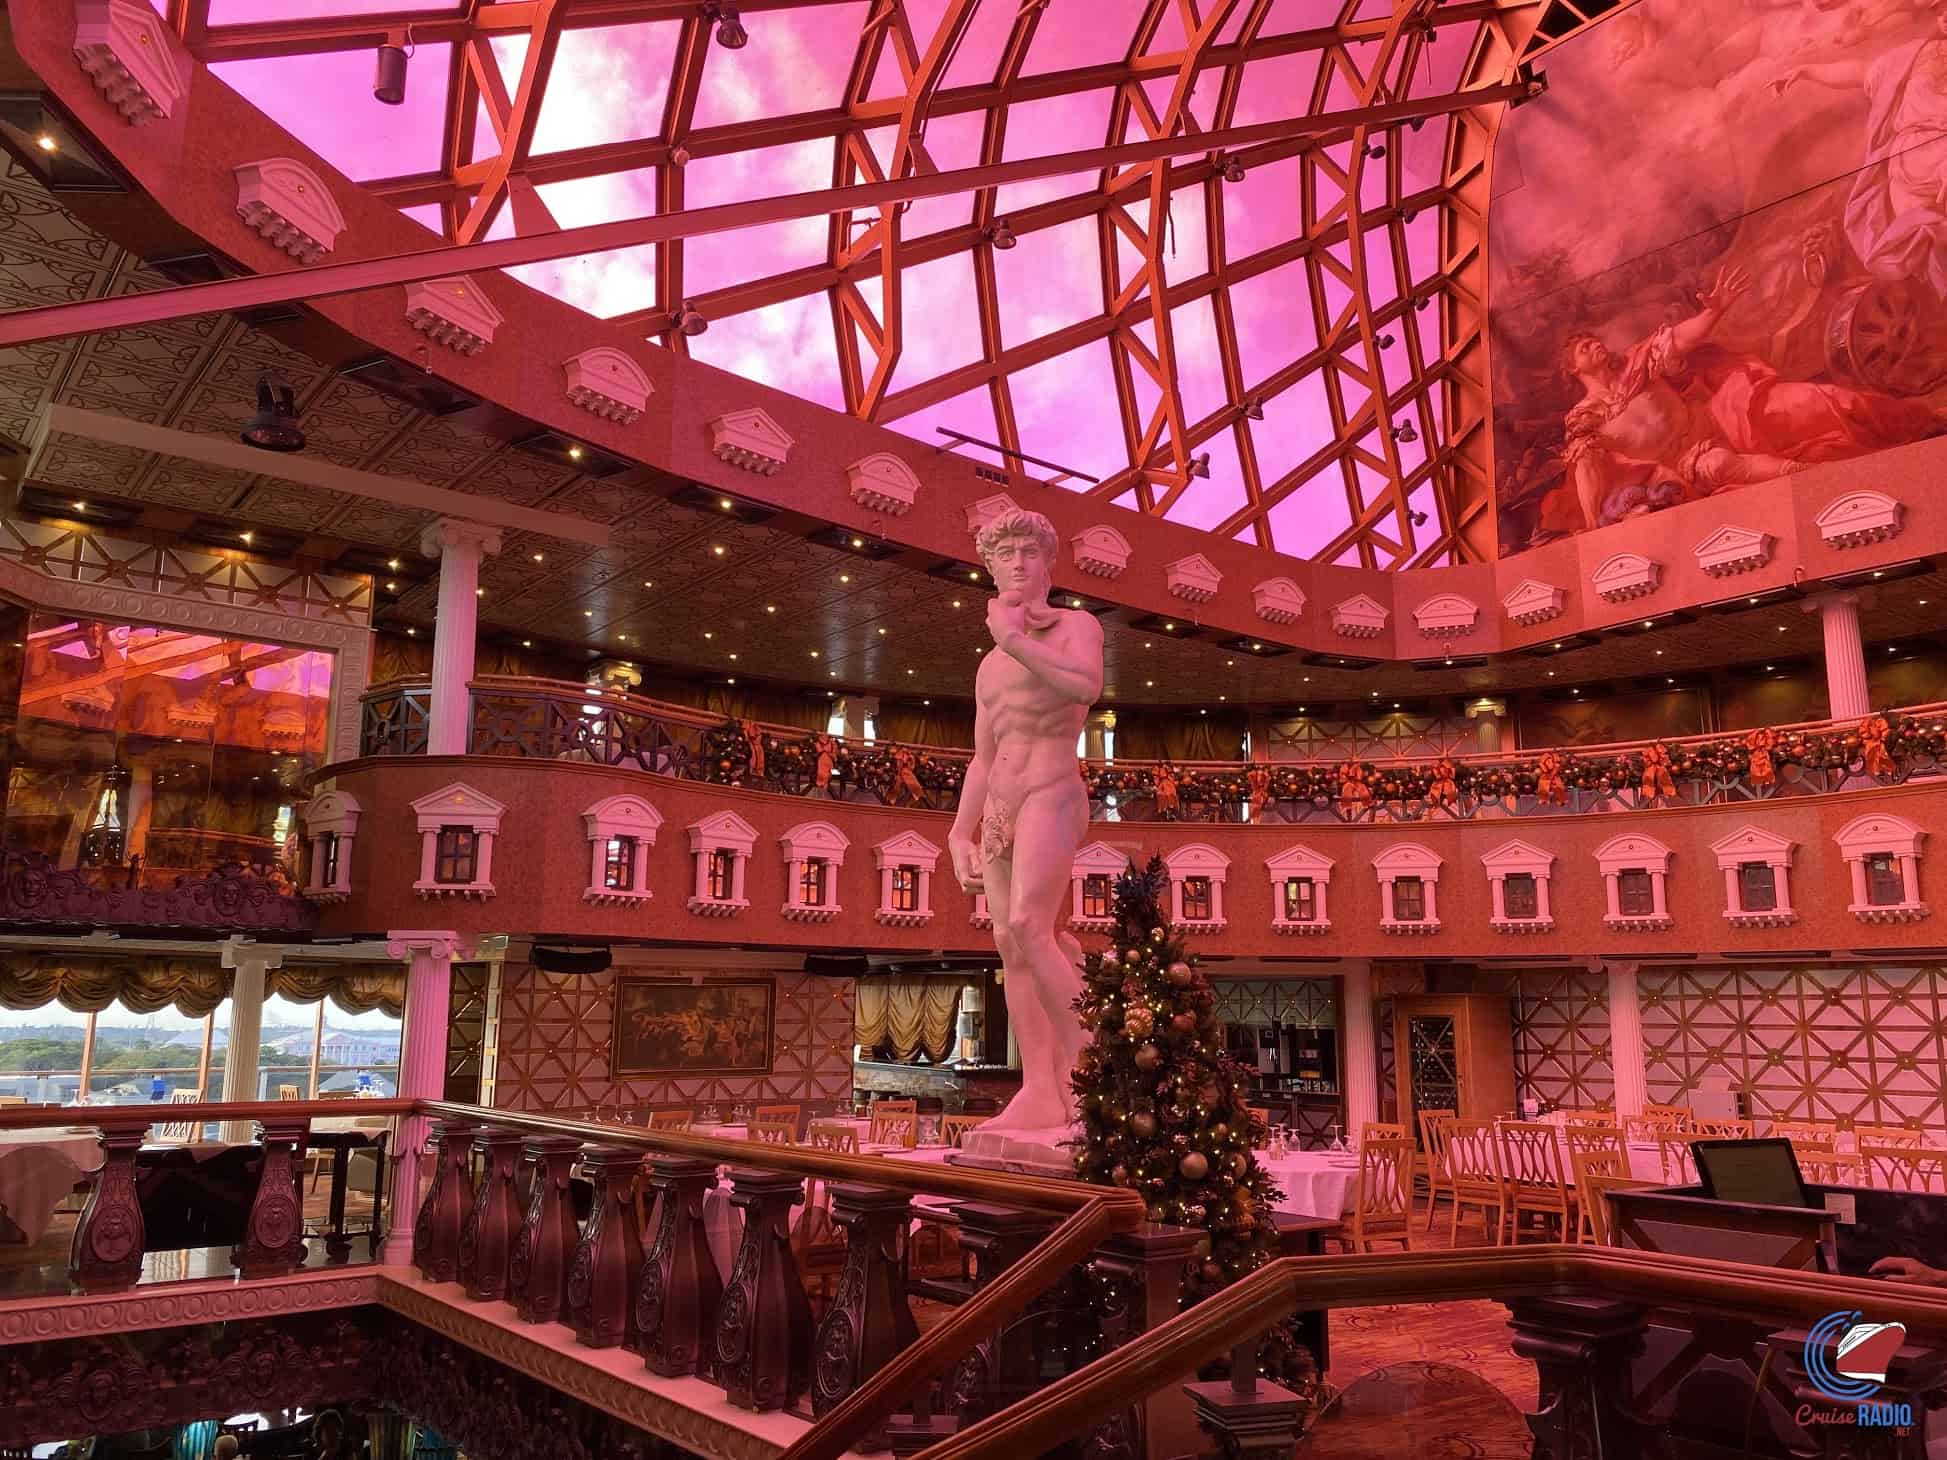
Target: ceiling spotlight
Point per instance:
(574, 453)
(1386, 342)
(1233, 170)
(1407, 215)
(1420, 301)
(389, 77)
(1375, 149)
(999, 234)
(688, 321)
(393, 564)
(47, 143)
(527, 643)
(1418, 518)
(79, 505)
(1404, 432)
(1254, 408)
(273, 427)
(1200, 465)
(731, 34)
(246, 538)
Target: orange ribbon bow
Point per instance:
(1873, 730)
(1763, 770)
(1352, 783)
(825, 748)
(1444, 789)
(1656, 773)
(1550, 788)
(754, 742)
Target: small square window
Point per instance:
(814, 881)
(328, 859)
(1409, 900)
(1885, 887)
(905, 889)
(1300, 900)
(1635, 894)
(1196, 899)
(723, 869)
(618, 864)
(1757, 887)
(458, 856)
(1095, 895)
(1518, 895)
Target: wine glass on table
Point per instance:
(1338, 1138)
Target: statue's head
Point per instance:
(1018, 547)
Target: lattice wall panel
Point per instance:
(1561, 1039)
(555, 1032)
(1306, 1002)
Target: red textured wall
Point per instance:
(540, 868)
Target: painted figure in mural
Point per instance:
(1677, 417)
(1896, 216)
(1024, 808)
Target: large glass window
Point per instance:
(1095, 895)
(812, 882)
(1300, 900)
(723, 867)
(141, 755)
(1885, 887)
(905, 889)
(1518, 894)
(618, 864)
(457, 856)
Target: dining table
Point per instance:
(38, 1169)
(1314, 1183)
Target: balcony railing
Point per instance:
(553, 720)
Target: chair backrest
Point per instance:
(1595, 1196)
(1888, 1135)
(1433, 1135)
(893, 1127)
(1819, 1162)
(1816, 1131)
(894, 1107)
(1596, 1163)
(1673, 1158)
(775, 1130)
(1588, 1117)
(1531, 1153)
(778, 1114)
(1473, 1154)
(1385, 1179)
(1719, 1128)
(671, 1119)
(1903, 1168)
(1260, 1113)
(833, 1135)
(1381, 1130)
(185, 1097)
(287, 1092)
(336, 1095)
(1582, 1139)
(1681, 1114)
(953, 1128)
(1651, 1127)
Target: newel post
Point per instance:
(273, 1234)
(1581, 1348)
(436, 1229)
(676, 1304)
(763, 1337)
(608, 1262)
(490, 1228)
(537, 1275)
(869, 1321)
(1142, 1271)
(106, 1253)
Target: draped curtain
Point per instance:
(944, 725)
(1170, 734)
(911, 1015)
(193, 988)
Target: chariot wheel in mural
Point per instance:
(1877, 337)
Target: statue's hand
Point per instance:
(1007, 615)
(966, 865)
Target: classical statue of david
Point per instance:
(1024, 809)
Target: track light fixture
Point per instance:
(1000, 235)
(273, 426)
(1386, 342)
(1420, 301)
(1404, 432)
(731, 34)
(389, 76)
(1254, 408)
(1375, 149)
(1232, 170)
(1407, 215)
(1418, 518)
(1200, 465)
(688, 321)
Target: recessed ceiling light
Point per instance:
(770, 608)
(46, 143)
(814, 653)
(1659, 653)
(718, 548)
(1307, 679)
(909, 671)
(1551, 674)
(1229, 663)
(621, 638)
(245, 538)
(709, 633)
(1395, 704)
(1769, 667)
(834, 674)
(858, 542)
(956, 603)
(1203, 712)
(410, 634)
(1558, 644)
(1750, 600)
(1648, 622)
(731, 680)
(926, 702)
(845, 577)
(393, 564)
(391, 587)
(1077, 603)
(540, 557)
(574, 453)
(1781, 628)
(1669, 681)
(725, 503)
(1878, 574)
(588, 613)
(479, 593)
(1256, 646)
(1147, 644)
(1891, 650)
(973, 577)
(79, 506)
(648, 582)
(1222, 698)
(527, 643)
(1150, 683)
(1169, 628)
(882, 631)
(733, 655)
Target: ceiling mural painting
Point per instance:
(1718, 256)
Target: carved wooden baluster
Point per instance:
(608, 1261)
(436, 1230)
(763, 1337)
(869, 1321)
(676, 1306)
(1582, 1348)
(537, 1274)
(106, 1253)
(273, 1235)
(488, 1234)
(1001, 1367)
(1143, 1272)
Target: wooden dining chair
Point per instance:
(893, 1128)
(774, 1130)
(778, 1114)
(1681, 1114)
(1822, 1164)
(1719, 1128)
(1647, 1128)
(1433, 1157)
(1583, 1165)
(894, 1107)
(1595, 1197)
(954, 1128)
(1531, 1162)
(1383, 1209)
(671, 1119)
(1673, 1158)
(1888, 1135)
(1903, 1168)
(287, 1092)
(839, 1136)
(1261, 1114)
(1817, 1131)
(1474, 1172)
(1588, 1117)
(1582, 1140)
(1381, 1130)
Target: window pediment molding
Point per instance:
(815, 839)
(458, 805)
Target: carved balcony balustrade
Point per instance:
(228, 898)
(554, 720)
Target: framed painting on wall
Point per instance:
(669, 1027)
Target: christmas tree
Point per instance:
(1162, 1105)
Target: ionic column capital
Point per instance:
(440, 944)
(454, 533)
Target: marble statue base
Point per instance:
(1028, 1150)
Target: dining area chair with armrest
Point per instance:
(774, 1130)
(1681, 1114)
(790, 1112)
(1823, 1164)
(893, 1128)
(1593, 1139)
(1888, 1135)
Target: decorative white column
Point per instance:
(1857, 866)
(1430, 886)
(459, 546)
(1360, 1077)
(1732, 900)
(1626, 1057)
(1909, 879)
(1847, 697)
(252, 963)
(1497, 889)
(422, 1067)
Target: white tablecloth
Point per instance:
(37, 1169)
(1315, 1183)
